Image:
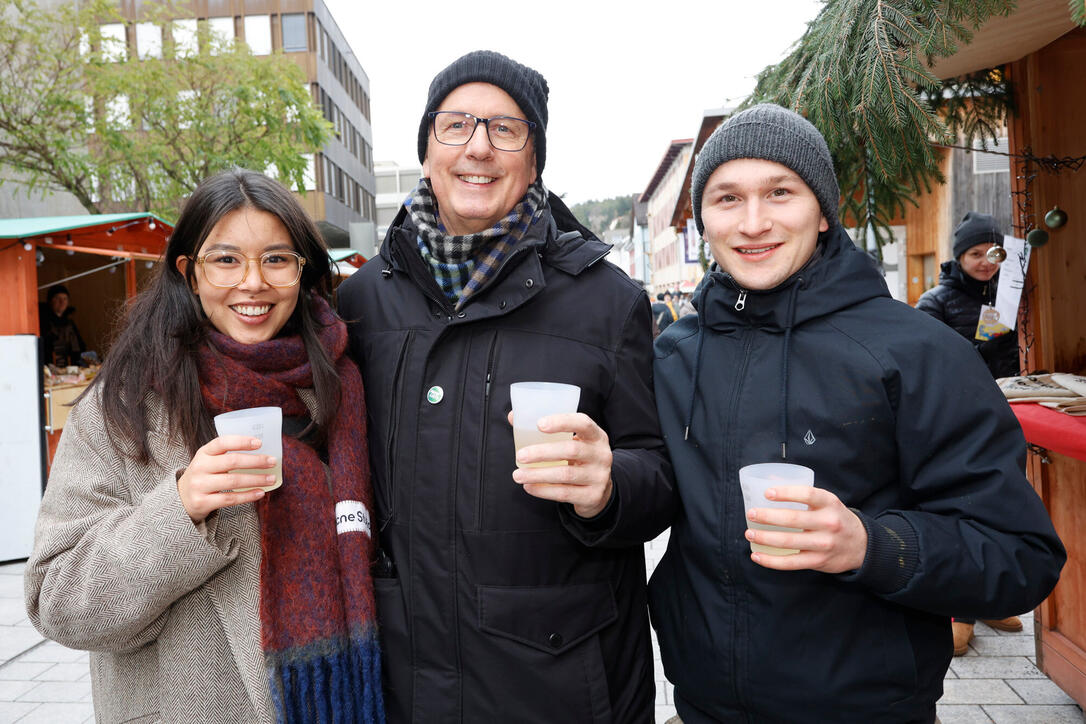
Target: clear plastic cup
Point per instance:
(533, 400)
(265, 423)
(755, 480)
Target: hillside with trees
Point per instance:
(598, 215)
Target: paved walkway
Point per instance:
(42, 682)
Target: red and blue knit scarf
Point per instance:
(318, 627)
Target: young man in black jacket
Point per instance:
(505, 593)
(920, 509)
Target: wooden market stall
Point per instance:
(103, 260)
(1043, 53)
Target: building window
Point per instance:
(117, 112)
(294, 39)
(185, 44)
(408, 180)
(114, 44)
(991, 161)
(148, 41)
(309, 174)
(258, 34)
(220, 32)
(386, 184)
(186, 108)
(329, 177)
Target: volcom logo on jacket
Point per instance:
(809, 438)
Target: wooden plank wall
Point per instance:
(18, 280)
(988, 193)
(927, 231)
(1050, 109)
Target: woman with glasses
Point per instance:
(201, 596)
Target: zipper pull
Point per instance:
(486, 392)
(741, 302)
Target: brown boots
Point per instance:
(1011, 623)
(963, 632)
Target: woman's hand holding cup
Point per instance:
(207, 483)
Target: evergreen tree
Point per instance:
(861, 74)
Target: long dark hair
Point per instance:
(155, 346)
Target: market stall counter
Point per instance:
(1052, 430)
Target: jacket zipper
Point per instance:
(729, 454)
(741, 302)
(485, 428)
(393, 423)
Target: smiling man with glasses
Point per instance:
(505, 593)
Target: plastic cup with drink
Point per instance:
(533, 400)
(265, 423)
(755, 480)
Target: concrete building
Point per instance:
(340, 186)
(394, 183)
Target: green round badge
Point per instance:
(434, 395)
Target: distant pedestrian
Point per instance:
(967, 283)
(201, 597)
(686, 306)
(663, 313)
(920, 508)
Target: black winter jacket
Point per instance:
(855, 384)
(956, 302)
(504, 607)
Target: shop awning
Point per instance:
(352, 257)
(1005, 38)
(42, 225)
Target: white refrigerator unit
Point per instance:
(21, 444)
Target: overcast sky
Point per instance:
(626, 78)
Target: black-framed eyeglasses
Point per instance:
(453, 128)
(223, 268)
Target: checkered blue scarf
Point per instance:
(461, 265)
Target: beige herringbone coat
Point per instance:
(169, 611)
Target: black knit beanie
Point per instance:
(526, 86)
(976, 228)
(773, 133)
(55, 290)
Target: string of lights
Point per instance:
(1050, 163)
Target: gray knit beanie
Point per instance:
(526, 86)
(976, 228)
(773, 133)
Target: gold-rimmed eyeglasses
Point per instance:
(224, 268)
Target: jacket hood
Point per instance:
(837, 276)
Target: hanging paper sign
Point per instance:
(1012, 278)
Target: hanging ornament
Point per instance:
(1037, 237)
(1055, 218)
(996, 254)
